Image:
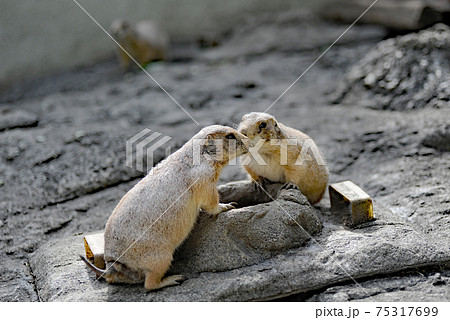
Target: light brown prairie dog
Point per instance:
(289, 155)
(158, 213)
(145, 42)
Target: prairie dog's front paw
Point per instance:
(227, 206)
(290, 186)
(222, 207)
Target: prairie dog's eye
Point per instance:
(230, 136)
(262, 125)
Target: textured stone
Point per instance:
(394, 14)
(338, 254)
(295, 31)
(246, 193)
(10, 119)
(407, 72)
(424, 286)
(244, 236)
(439, 138)
(248, 235)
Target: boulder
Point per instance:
(240, 237)
(399, 15)
(254, 253)
(406, 72)
(249, 235)
(10, 118)
(439, 138)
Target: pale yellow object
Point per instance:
(94, 244)
(348, 196)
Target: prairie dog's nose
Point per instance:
(246, 141)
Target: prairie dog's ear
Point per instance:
(210, 141)
(277, 127)
(210, 145)
(209, 137)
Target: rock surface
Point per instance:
(11, 119)
(408, 72)
(65, 175)
(439, 138)
(394, 14)
(249, 235)
(337, 254)
(423, 286)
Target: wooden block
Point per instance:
(350, 200)
(94, 244)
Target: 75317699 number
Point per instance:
(407, 311)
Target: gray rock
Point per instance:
(11, 118)
(16, 282)
(337, 254)
(248, 235)
(400, 15)
(415, 286)
(246, 193)
(407, 72)
(295, 31)
(439, 138)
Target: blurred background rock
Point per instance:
(39, 38)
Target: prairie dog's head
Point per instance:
(259, 125)
(221, 143)
(121, 29)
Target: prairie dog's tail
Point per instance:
(99, 272)
(116, 272)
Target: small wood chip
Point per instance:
(350, 200)
(94, 244)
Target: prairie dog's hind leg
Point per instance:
(153, 281)
(220, 207)
(156, 270)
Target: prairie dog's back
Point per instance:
(159, 207)
(159, 212)
(291, 133)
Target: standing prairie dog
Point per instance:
(159, 212)
(289, 156)
(145, 42)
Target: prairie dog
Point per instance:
(145, 42)
(281, 150)
(159, 212)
